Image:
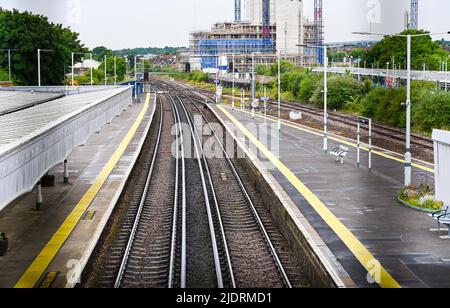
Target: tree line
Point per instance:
(25, 32)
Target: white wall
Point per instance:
(289, 17)
(442, 165)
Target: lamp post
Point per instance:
(408, 156)
(232, 99)
(39, 62)
(106, 77)
(115, 70)
(325, 95)
(92, 64)
(253, 85)
(279, 90)
(446, 75)
(9, 61)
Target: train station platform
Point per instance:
(50, 247)
(378, 241)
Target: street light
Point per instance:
(279, 90)
(92, 65)
(234, 82)
(115, 70)
(106, 77)
(408, 156)
(135, 77)
(253, 85)
(325, 95)
(39, 62)
(9, 61)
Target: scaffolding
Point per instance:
(228, 39)
(211, 50)
(318, 28)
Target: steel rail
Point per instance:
(252, 206)
(141, 206)
(215, 249)
(216, 204)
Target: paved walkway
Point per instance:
(359, 208)
(32, 233)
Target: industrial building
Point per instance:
(265, 28)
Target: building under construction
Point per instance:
(261, 29)
(212, 50)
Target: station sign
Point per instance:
(255, 103)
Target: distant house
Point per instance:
(83, 68)
(165, 61)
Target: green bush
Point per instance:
(433, 111)
(385, 105)
(307, 87)
(199, 76)
(4, 76)
(341, 91)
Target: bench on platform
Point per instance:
(340, 153)
(442, 217)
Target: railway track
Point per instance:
(193, 222)
(390, 133)
(382, 130)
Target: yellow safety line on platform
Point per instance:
(345, 142)
(367, 260)
(30, 278)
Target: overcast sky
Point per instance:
(143, 23)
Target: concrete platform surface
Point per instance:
(31, 232)
(361, 220)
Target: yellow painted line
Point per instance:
(367, 260)
(30, 278)
(418, 166)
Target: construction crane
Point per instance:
(237, 11)
(414, 15)
(318, 29)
